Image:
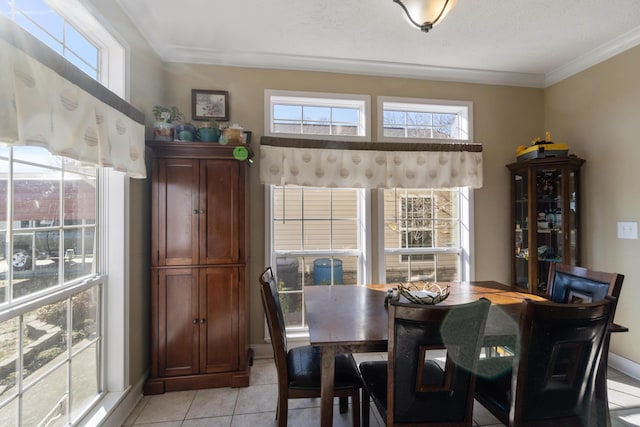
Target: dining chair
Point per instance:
(299, 368)
(412, 388)
(553, 380)
(573, 284)
(570, 283)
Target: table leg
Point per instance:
(326, 386)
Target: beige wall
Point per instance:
(504, 117)
(597, 113)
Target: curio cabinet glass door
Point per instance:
(545, 218)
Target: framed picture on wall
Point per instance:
(210, 104)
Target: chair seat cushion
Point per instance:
(493, 383)
(374, 377)
(304, 366)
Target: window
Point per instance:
(49, 27)
(324, 236)
(51, 223)
(57, 257)
(422, 235)
(89, 46)
(317, 239)
(416, 224)
(426, 232)
(317, 115)
(409, 118)
(50, 305)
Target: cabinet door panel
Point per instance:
(177, 322)
(178, 211)
(219, 192)
(219, 307)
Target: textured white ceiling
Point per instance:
(520, 42)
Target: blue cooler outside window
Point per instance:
(322, 271)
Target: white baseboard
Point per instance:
(265, 351)
(262, 351)
(626, 366)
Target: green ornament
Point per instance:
(240, 153)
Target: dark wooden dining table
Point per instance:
(353, 319)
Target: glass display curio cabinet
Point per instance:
(545, 218)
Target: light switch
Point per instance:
(627, 230)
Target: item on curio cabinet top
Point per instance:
(542, 148)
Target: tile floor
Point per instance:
(254, 406)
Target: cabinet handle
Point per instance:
(203, 320)
(195, 321)
(195, 212)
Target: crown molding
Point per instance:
(595, 56)
(184, 54)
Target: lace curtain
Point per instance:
(39, 107)
(369, 165)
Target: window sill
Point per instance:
(112, 409)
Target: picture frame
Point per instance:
(210, 104)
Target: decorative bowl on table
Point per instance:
(423, 292)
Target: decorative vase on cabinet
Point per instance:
(545, 218)
(198, 268)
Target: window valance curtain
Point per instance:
(320, 163)
(40, 107)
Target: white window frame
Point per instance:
(464, 110)
(110, 270)
(113, 53)
(69, 290)
(465, 215)
(113, 212)
(114, 261)
(407, 231)
(466, 267)
(361, 102)
(364, 252)
(113, 206)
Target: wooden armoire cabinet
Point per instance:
(198, 268)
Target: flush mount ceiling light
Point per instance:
(425, 14)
